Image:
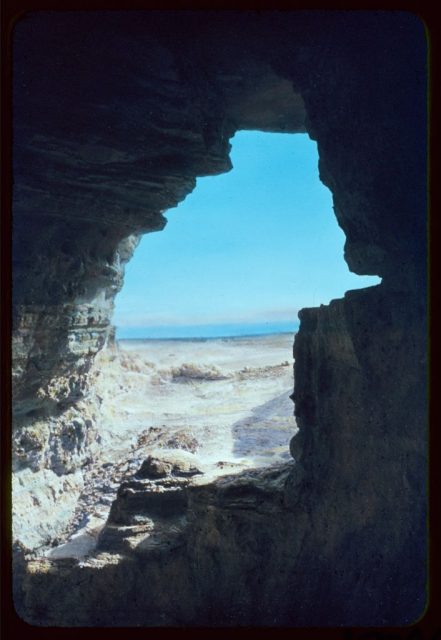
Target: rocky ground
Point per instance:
(181, 413)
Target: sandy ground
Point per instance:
(223, 404)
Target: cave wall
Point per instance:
(115, 116)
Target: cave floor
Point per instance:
(216, 407)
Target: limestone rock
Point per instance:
(171, 463)
(181, 440)
(158, 437)
(154, 468)
(43, 505)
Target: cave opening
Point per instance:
(199, 375)
(115, 117)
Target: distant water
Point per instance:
(207, 331)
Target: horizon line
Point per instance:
(221, 330)
(203, 338)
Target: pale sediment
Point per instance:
(147, 410)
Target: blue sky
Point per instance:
(249, 247)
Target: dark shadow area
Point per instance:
(267, 431)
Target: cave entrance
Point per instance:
(201, 370)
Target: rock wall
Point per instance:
(362, 458)
(106, 140)
(84, 189)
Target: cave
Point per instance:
(115, 116)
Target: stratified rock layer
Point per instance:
(360, 407)
(107, 139)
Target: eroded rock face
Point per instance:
(105, 142)
(187, 553)
(361, 410)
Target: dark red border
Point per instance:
(429, 627)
